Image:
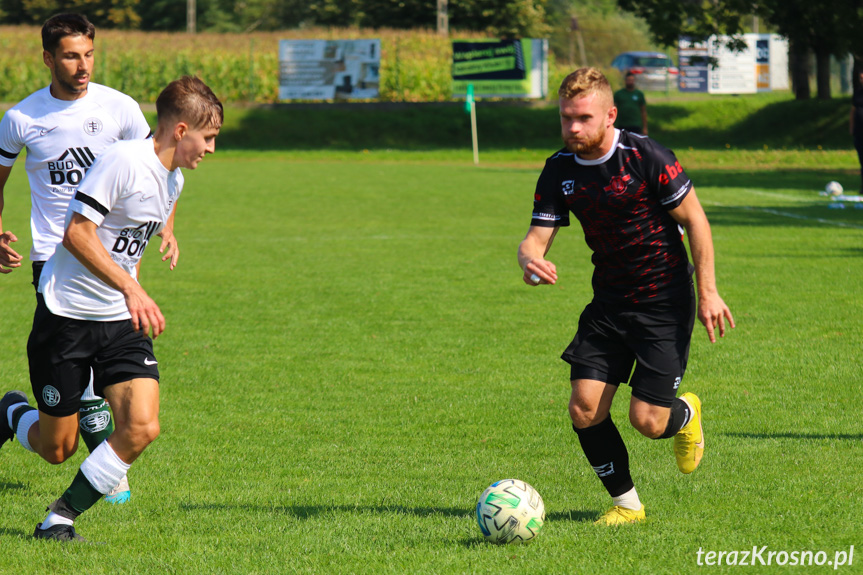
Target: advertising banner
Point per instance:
(710, 66)
(693, 59)
(329, 69)
(500, 68)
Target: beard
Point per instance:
(67, 83)
(585, 145)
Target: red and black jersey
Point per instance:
(622, 201)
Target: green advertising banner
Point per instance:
(500, 68)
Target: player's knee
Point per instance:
(647, 424)
(582, 416)
(57, 454)
(146, 433)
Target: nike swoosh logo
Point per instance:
(43, 131)
(149, 362)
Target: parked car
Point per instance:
(653, 70)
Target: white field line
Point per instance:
(786, 214)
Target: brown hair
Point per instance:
(59, 26)
(586, 81)
(189, 100)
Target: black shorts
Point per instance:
(62, 352)
(655, 337)
(37, 273)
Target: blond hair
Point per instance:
(584, 82)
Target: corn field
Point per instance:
(415, 64)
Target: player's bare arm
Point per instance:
(9, 258)
(712, 311)
(82, 242)
(531, 256)
(169, 246)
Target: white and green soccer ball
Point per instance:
(834, 189)
(510, 511)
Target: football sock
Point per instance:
(55, 519)
(22, 420)
(95, 422)
(606, 453)
(10, 411)
(101, 472)
(628, 500)
(680, 415)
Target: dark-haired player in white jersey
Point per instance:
(93, 314)
(632, 199)
(64, 127)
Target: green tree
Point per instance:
(827, 28)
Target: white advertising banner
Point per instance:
(329, 69)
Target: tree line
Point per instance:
(824, 28)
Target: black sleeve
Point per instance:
(666, 178)
(549, 206)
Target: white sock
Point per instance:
(628, 500)
(690, 413)
(54, 519)
(104, 469)
(24, 424)
(89, 393)
(11, 409)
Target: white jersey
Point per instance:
(129, 195)
(63, 139)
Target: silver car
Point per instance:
(653, 70)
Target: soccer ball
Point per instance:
(510, 511)
(834, 189)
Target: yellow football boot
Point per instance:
(618, 515)
(689, 441)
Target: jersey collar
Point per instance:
(604, 158)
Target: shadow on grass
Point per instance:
(4, 532)
(512, 126)
(6, 486)
(310, 511)
(798, 436)
(779, 179)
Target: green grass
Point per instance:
(351, 358)
(752, 123)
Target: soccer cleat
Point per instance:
(120, 494)
(10, 399)
(618, 515)
(689, 441)
(58, 533)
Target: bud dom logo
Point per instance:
(132, 241)
(71, 166)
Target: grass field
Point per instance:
(351, 358)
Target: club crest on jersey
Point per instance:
(618, 184)
(93, 126)
(71, 166)
(568, 187)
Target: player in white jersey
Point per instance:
(94, 313)
(64, 127)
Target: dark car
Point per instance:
(653, 70)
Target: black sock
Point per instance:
(676, 419)
(606, 453)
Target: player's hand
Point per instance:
(538, 272)
(169, 247)
(147, 318)
(713, 312)
(9, 258)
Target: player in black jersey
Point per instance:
(634, 201)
